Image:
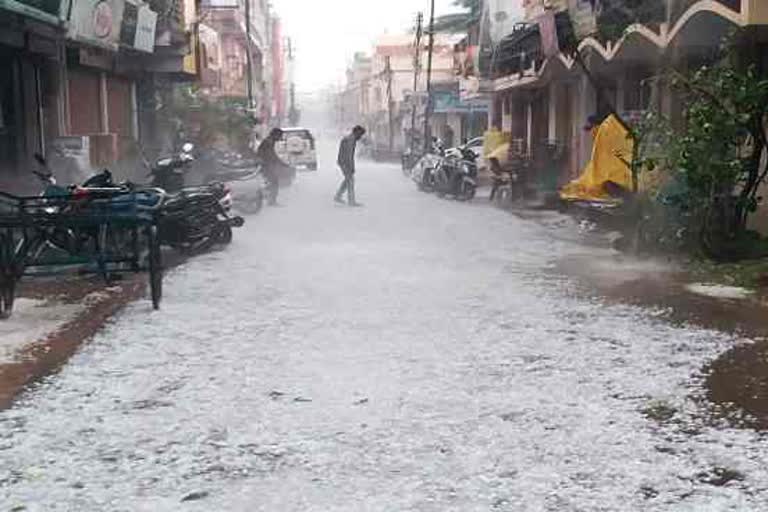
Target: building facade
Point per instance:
(379, 93)
(84, 78)
(543, 98)
(228, 49)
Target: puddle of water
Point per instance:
(735, 383)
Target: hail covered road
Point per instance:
(412, 355)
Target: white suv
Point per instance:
(297, 148)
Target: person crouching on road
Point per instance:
(271, 164)
(346, 162)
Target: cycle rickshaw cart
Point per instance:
(105, 231)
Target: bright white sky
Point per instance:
(327, 33)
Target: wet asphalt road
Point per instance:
(412, 355)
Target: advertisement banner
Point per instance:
(145, 30)
(97, 22)
(138, 29)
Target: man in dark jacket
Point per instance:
(271, 164)
(346, 161)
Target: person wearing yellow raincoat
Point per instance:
(609, 166)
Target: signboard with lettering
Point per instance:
(97, 22)
(449, 102)
(145, 29)
(138, 28)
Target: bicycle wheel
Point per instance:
(155, 267)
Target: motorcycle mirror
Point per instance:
(187, 147)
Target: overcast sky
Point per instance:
(326, 33)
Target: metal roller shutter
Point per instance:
(84, 102)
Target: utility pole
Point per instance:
(293, 111)
(416, 70)
(390, 104)
(248, 54)
(430, 51)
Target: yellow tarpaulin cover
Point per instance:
(612, 141)
(492, 139)
(501, 153)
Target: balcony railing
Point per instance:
(517, 53)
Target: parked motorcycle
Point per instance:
(423, 173)
(509, 183)
(192, 219)
(457, 174)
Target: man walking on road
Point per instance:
(346, 162)
(271, 164)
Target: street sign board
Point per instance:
(97, 22)
(138, 27)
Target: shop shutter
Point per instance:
(119, 101)
(84, 102)
(120, 105)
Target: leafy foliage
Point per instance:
(614, 16)
(719, 154)
(725, 135)
(460, 22)
(215, 120)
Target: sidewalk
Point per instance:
(52, 318)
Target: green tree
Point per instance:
(615, 16)
(720, 155)
(461, 21)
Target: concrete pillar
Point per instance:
(506, 118)
(587, 106)
(134, 112)
(529, 127)
(621, 85)
(552, 106)
(65, 125)
(104, 103)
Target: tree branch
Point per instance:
(700, 90)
